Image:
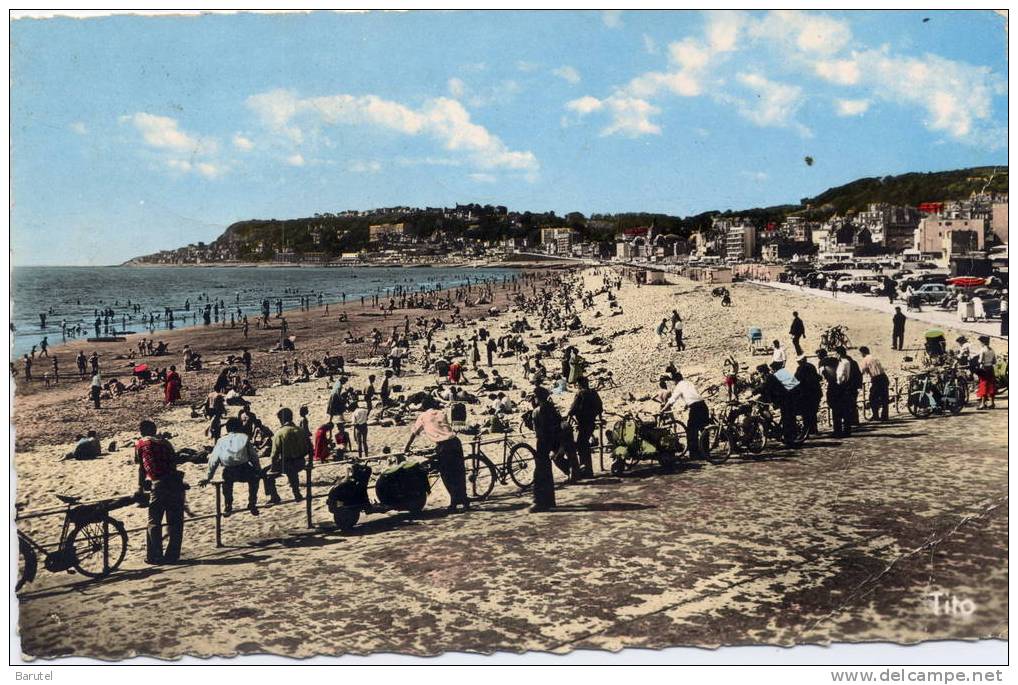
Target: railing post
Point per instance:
(219, 513)
(600, 443)
(307, 492)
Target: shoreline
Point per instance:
(317, 335)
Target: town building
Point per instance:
(378, 232)
(946, 236)
(740, 241)
(998, 222)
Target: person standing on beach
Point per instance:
(360, 429)
(548, 428)
(697, 414)
(171, 388)
(810, 393)
(95, 389)
(879, 384)
(585, 410)
(779, 356)
(898, 330)
(987, 373)
(28, 368)
(157, 468)
(448, 453)
(798, 331)
(677, 326)
(44, 346)
(289, 450)
(836, 391)
(81, 362)
(56, 371)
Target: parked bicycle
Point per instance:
(834, 337)
(91, 543)
(736, 429)
(929, 393)
(772, 425)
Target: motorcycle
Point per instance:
(400, 487)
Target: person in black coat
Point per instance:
(585, 410)
(810, 393)
(548, 428)
(798, 331)
(898, 332)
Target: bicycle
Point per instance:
(926, 395)
(738, 430)
(772, 427)
(834, 337)
(91, 541)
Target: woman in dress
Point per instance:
(171, 388)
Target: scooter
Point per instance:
(400, 487)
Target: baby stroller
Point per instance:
(935, 347)
(755, 338)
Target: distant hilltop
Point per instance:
(434, 234)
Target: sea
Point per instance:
(72, 294)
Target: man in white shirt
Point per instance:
(879, 384)
(779, 356)
(697, 415)
(239, 459)
(360, 429)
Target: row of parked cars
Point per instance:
(929, 285)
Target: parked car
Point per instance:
(859, 284)
(919, 279)
(931, 293)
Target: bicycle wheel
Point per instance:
(28, 563)
(99, 546)
(682, 451)
(952, 399)
(520, 463)
(919, 404)
(753, 436)
(715, 444)
(480, 476)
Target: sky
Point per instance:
(133, 134)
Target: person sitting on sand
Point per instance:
(86, 447)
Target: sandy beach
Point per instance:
(750, 552)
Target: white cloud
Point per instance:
(443, 119)
(456, 87)
(806, 32)
(844, 72)
(567, 73)
(957, 97)
(210, 169)
(164, 133)
(295, 159)
(497, 94)
(525, 66)
(365, 167)
(180, 151)
(851, 108)
(654, 82)
(774, 104)
(649, 45)
(612, 18)
(723, 29)
(482, 177)
(755, 176)
(428, 161)
(79, 128)
(630, 116)
(242, 142)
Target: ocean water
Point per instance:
(72, 294)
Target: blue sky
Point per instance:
(134, 134)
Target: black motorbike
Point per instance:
(400, 487)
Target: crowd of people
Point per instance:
(459, 358)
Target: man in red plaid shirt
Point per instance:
(157, 464)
